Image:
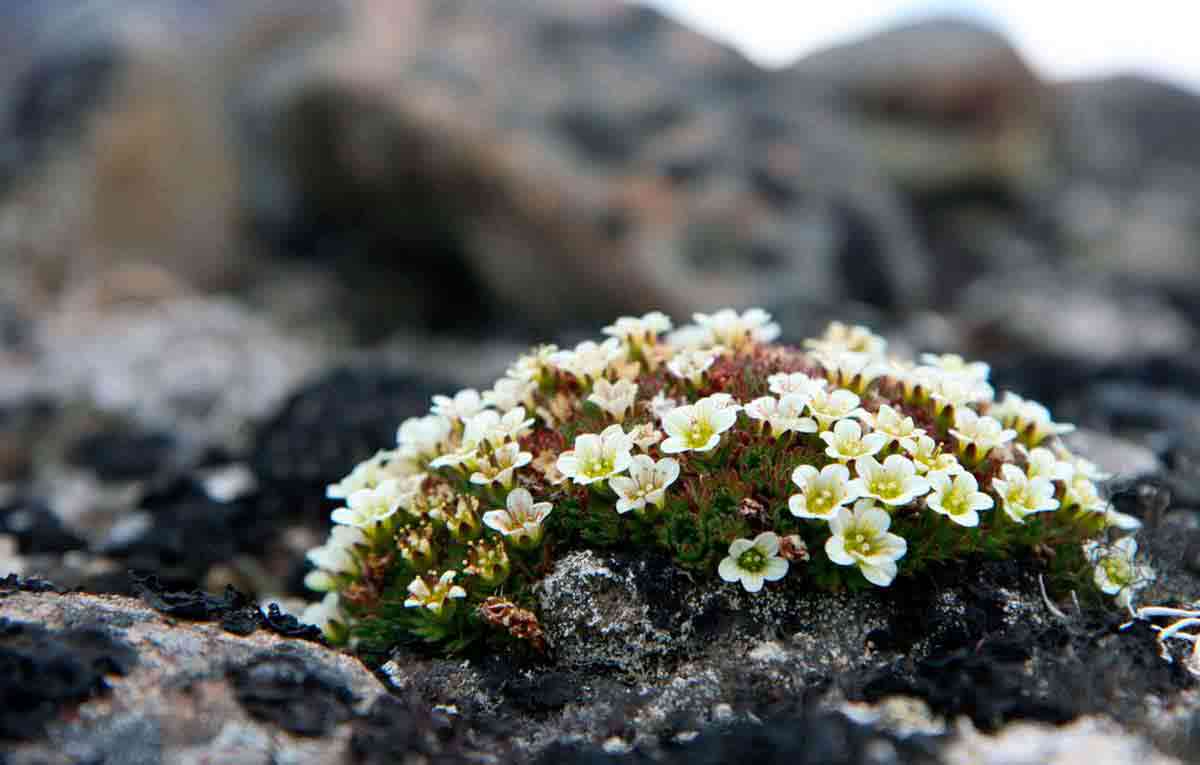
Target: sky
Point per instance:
(1063, 39)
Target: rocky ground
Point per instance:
(232, 260)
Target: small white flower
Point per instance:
(957, 496)
(697, 427)
(597, 457)
(636, 331)
(465, 404)
(337, 554)
(1084, 467)
(979, 431)
(958, 391)
(421, 595)
(861, 538)
(367, 507)
(847, 442)
(509, 393)
(895, 482)
(1022, 496)
(661, 404)
(500, 466)
(850, 369)
(647, 483)
(425, 435)
(830, 406)
(1030, 419)
(735, 331)
(897, 428)
(1043, 463)
(690, 337)
(928, 456)
(692, 364)
(1116, 572)
(783, 383)
(753, 562)
(530, 367)
(614, 398)
(821, 493)
(324, 614)
(955, 364)
(365, 475)
(522, 521)
(784, 415)
(645, 436)
(856, 339)
(590, 360)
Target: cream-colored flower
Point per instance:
(597, 457)
(365, 475)
(509, 393)
(1040, 462)
(978, 433)
(692, 364)
(726, 327)
(957, 496)
(784, 415)
(647, 483)
(614, 398)
(850, 369)
(1030, 419)
(955, 364)
(894, 482)
(1116, 570)
(753, 561)
(1022, 496)
(897, 427)
(367, 507)
(532, 366)
(325, 614)
(465, 404)
(660, 405)
(957, 391)
(830, 406)
(861, 538)
(638, 331)
(843, 337)
(821, 492)
(697, 427)
(928, 456)
(421, 594)
(337, 556)
(500, 466)
(425, 435)
(590, 360)
(645, 436)
(847, 442)
(785, 383)
(521, 521)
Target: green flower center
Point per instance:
(822, 501)
(598, 467)
(1118, 569)
(955, 503)
(752, 560)
(699, 434)
(886, 486)
(858, 543)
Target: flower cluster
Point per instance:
(731, 454)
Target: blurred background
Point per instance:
(239, 242)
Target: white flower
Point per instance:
(1085, 468)
(645, 436)
(690, 337)
(1043, 463)
(783, 383)
(697, 427)
(897, 428)
(1029, 418)
(421, 595)
(955, 364)
(425, 435)
(895, 482)
(522, 521)
(979, 431)
(692, 364)
(337, 554)
(367, 507)
(596, 457)
(647, 482)
(861, 538)
(847, 442)
(927, 455)
(589, 360)
(830, 406)
(784, 415)
(1022, 496)
(500, 466)
(637, 331)
(857, 339)
(1116, 572)
(752, 562)
(323, 614)
(509, 393)
(529, 368)
(957, 496)
(465, 404)
(511, 426)
(850, 369)
(615, 398)
(661, 404)
(821, 493)
(365, 475)
(727, 328)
